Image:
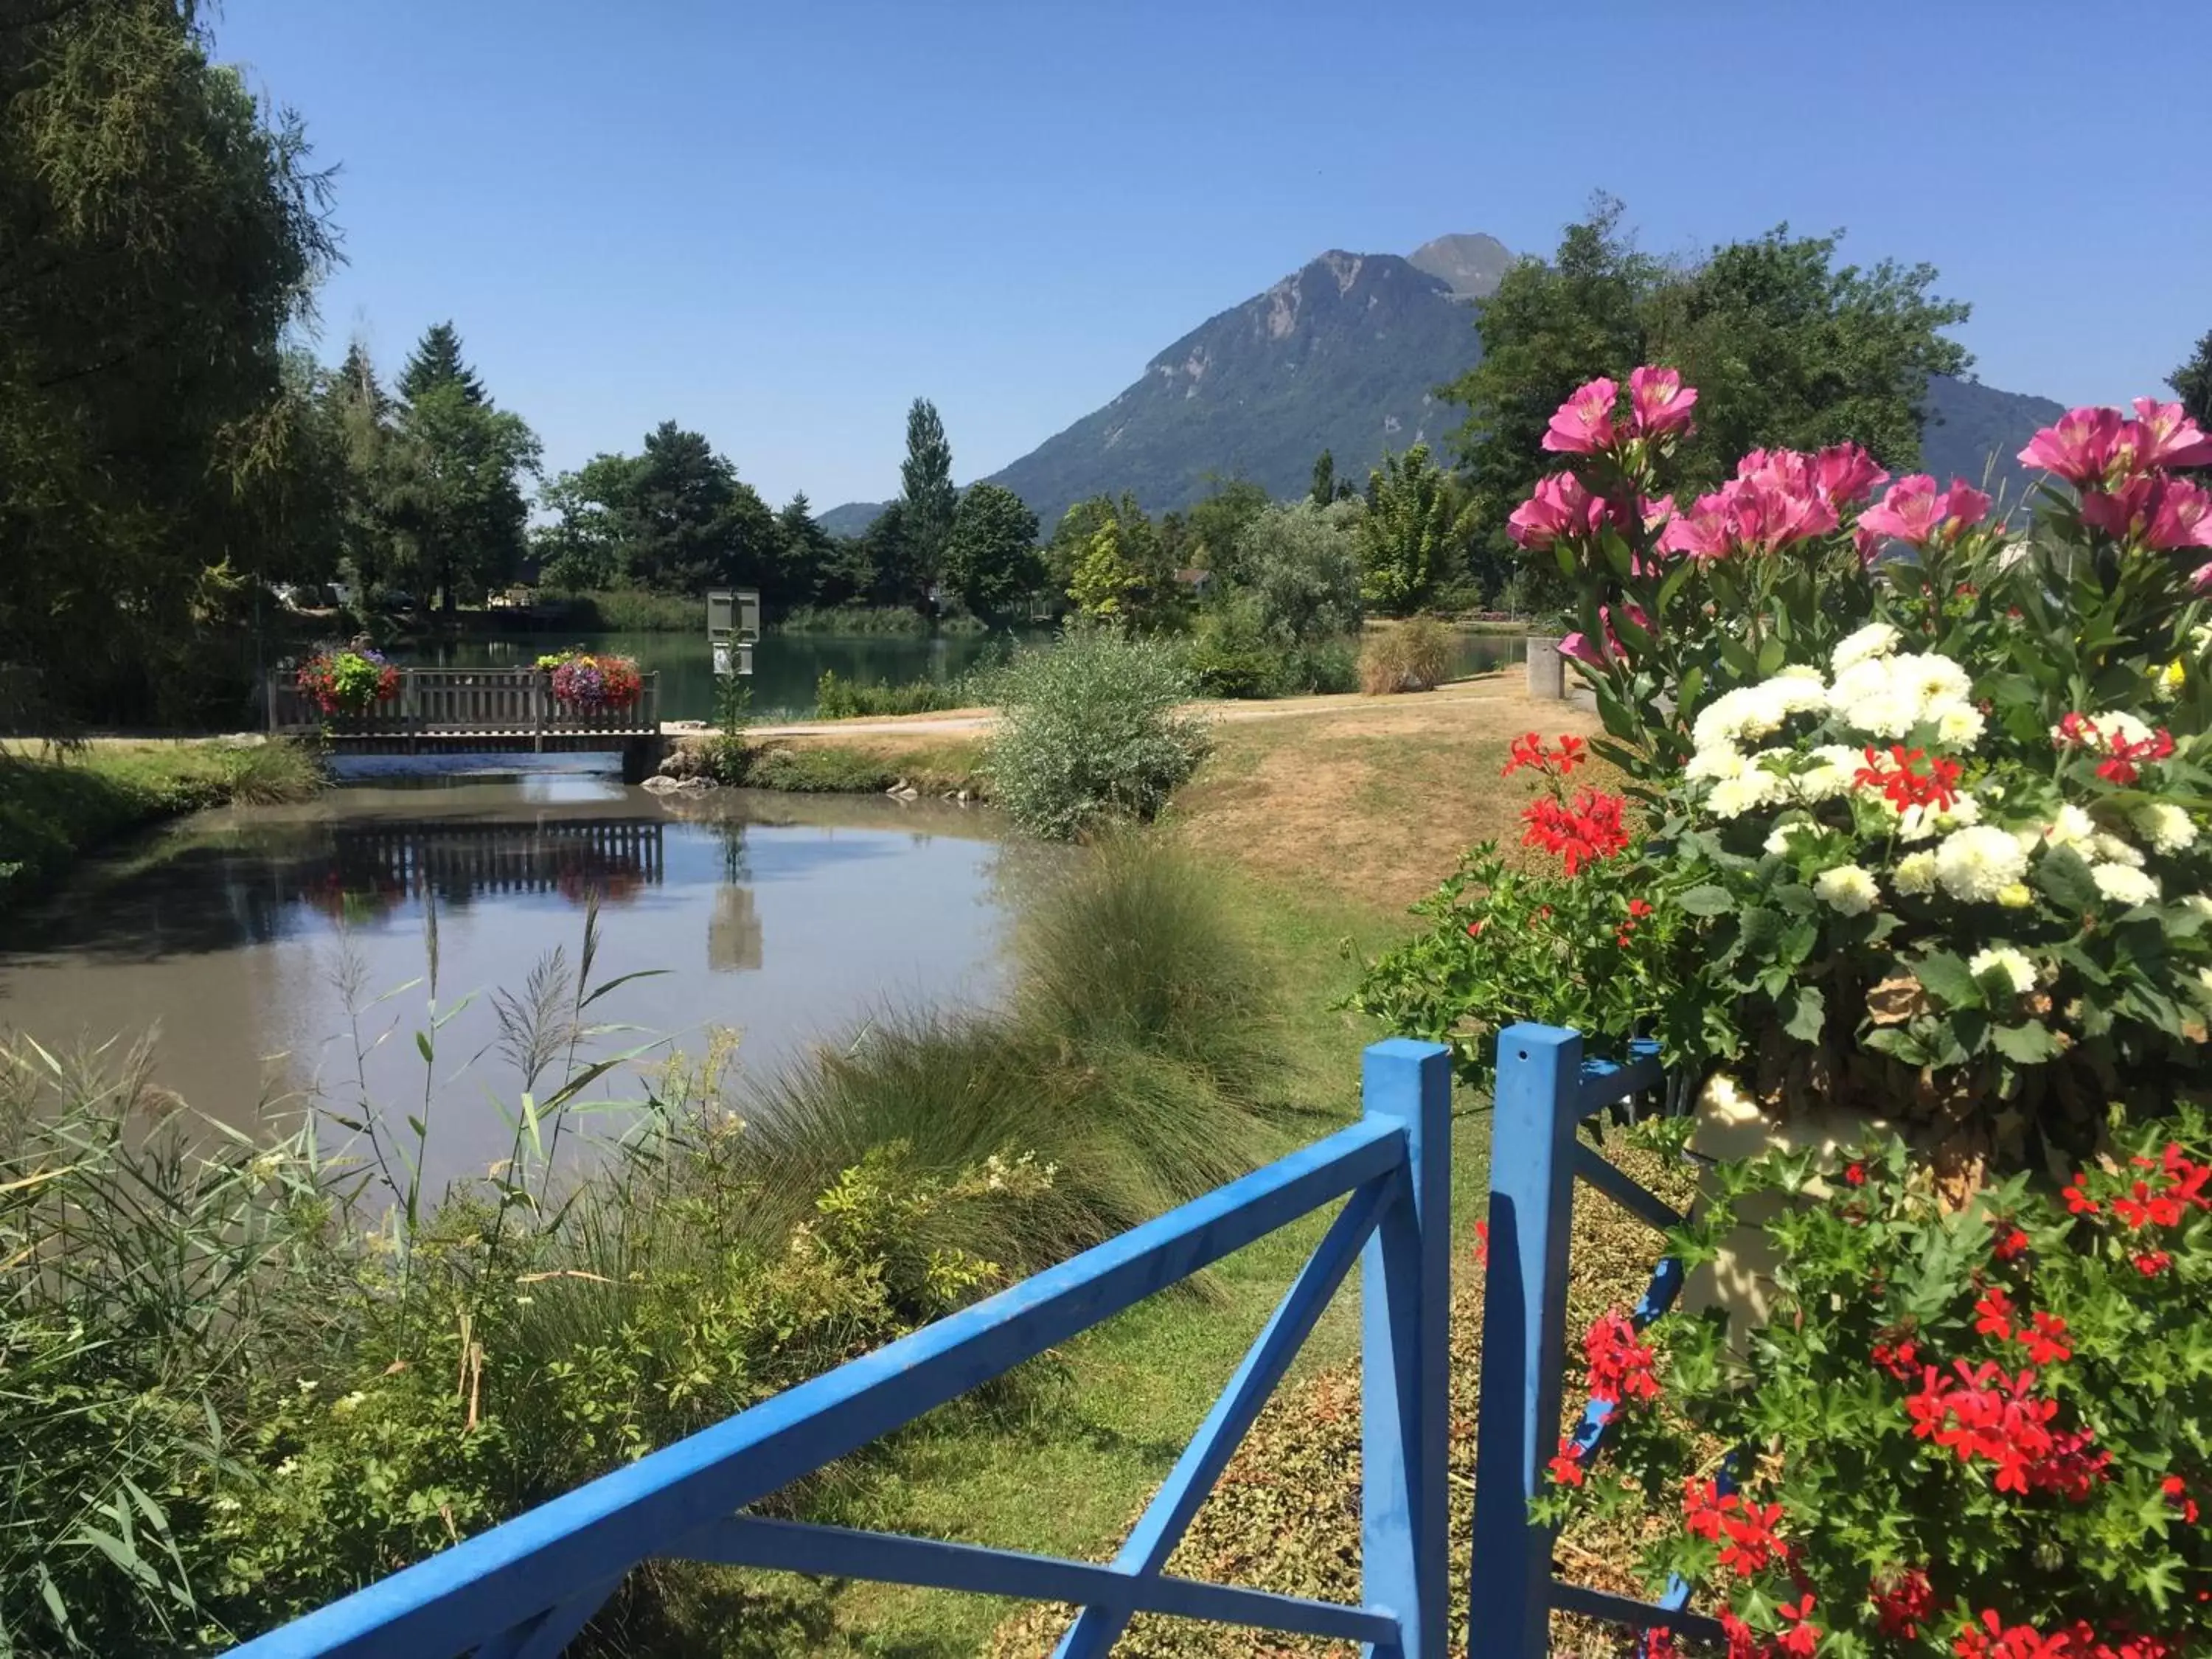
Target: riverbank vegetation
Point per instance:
(53, 809)
(320, 1369)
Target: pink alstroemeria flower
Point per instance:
(2201, 578)
(1583, 424)
(2161, 435)
(1562, 505)
(2162, 513)
(1846, 474)
(1915, 512)
(1767, 517)
(1658, 402)
(1581, 648)
(2180, 517)
(2078, 448)
(1700, 530)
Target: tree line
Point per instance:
(169, 450)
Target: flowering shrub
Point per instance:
(1924, 789)
(1980, 1431)
(589, 684)
(351, 681)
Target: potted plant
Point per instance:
(349, 682)
(586, 682)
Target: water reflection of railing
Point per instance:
(377, 866)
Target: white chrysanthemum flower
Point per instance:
(1847, 889)
(2123, 884)
(1835, 765)
(1918, 823)
(1876, 639)
(1959, 726)
(1747, 712)
(2072, 828)
(1801, 670)
(1891, 713)
(1858, 682)
(1798, 694)
(1915, 874)
(2200, 902)
(2112, 850)
(2114, 724)
(1731, 798)
(2167, 827)
(1934, 680)
(1722, 761)
(2018, 972)
(1974, 863)
(2016, 896)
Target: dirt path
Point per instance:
(1490, 688)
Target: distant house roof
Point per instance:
(1195, 578)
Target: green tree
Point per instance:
(437, 361)
(359, 415)
(2193, 384)
(160, 232)
(1106, 581)
(1324, 490)
(1784, 347)
(1215, 522)
(885, 550)
(1302, 570)
(582, 548)
(926, 491)
(991, 557)
(689, 523)
(1414, 535)
(806, 555)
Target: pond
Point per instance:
(268, 946)
(786, 667)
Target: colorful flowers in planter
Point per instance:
(587, 683)
(349, 681)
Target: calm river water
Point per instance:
(785, 666)
(242, 937)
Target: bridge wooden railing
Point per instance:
(442, 705)
(525, 1588)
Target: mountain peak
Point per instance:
(1472, 263)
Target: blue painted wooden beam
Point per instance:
(888, 1558)
(496, 1580)
(1606, 1081)
(1632, 1195)
(1405, 1357)
(1640, 1615)
(1153, 1539)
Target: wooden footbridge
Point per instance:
(499, 711)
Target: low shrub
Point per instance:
(896, 619)
(1415, 655)
(1326, 667)
(1092, 731)
(635, 611)
(836, 698)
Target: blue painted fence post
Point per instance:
(1404, 1285)
(1524, 1317)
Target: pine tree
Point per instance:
(1324, 479)
(925, 489)
(437, 361)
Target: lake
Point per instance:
(786, 667)
(267, 946)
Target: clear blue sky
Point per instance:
(779, 224)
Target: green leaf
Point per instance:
(1945, 978)
(2063, 876)
(1808, 1015)
(422, 1047)
(2029, 1044)
(1709, 900)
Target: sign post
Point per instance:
(733, 629)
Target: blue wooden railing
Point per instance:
(524, 1589)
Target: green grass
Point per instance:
(827, 768)
(634, 611)
(53, 810)
(836, 698)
